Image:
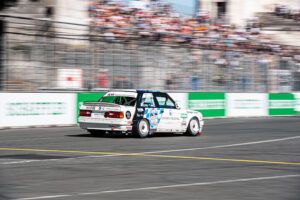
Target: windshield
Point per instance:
(120, 100)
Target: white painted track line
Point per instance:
(224, 146)
(164, 187)
(46, 197)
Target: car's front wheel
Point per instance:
(143, 128)
(194, 127)
(96, 133)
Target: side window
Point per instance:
(161, 101)
(147, 100)
(164, 101)
(170, 103)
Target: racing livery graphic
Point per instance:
(140, 112)
(153, 115)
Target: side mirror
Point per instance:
(177, 106)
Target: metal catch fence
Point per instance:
(43, 54)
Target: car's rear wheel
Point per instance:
(143, 128)
(96, 133)
(194, 127)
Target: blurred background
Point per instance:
(194, 45)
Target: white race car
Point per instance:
(142, 112)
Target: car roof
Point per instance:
(130, 93)
(137, 91)
(148, 91)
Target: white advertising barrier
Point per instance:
(180, 98)
(246, 104)
(297, 97)
(32, 109)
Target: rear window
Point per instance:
(108, 99)
(120, 100)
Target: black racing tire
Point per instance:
(193, 127)
(143, 128)
(97, 133)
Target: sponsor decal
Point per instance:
(170, 112)
(170, 118)
(36, 108)
(281, 104)
(110, 94)
(31, 109)
(246, 104)
(184, 115)
(153, 115)
(207, 104)
(140, 109)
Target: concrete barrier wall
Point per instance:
(50, 109)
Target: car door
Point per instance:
(151, 112)
(170, 118)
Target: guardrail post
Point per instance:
(1, 54)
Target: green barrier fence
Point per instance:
(209, 104)
(282, 104)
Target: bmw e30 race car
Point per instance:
(141, 112)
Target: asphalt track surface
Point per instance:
(254, 158)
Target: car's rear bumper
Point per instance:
(105, 127)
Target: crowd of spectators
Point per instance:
(286, 12)
(160, 23)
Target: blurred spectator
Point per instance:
(103, 78)
(195, 82)
(170, 82)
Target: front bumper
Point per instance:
(201, 126)
(105, 127)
